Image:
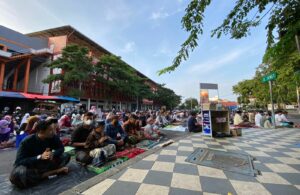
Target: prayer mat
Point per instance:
(147, 144)
(105, 167)
(174, 128)
(228, 161)
(130, 153)
(70, 150)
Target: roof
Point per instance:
(69, 30)
(19, 42)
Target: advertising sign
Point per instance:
(204, 96)
(208, 86)
(206, 123)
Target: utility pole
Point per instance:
(271, 96)
(297, 87)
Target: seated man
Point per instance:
(79, 136)
(281, 120)
(131, 127)
(238, 121)
(97, 144)
(39, 156)
(116, 134)
(151, 131)
(285, 121)
(193, 125)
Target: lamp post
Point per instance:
(297, 74)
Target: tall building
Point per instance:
(22, 70)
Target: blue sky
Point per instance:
(147, 35)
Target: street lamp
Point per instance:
(297, 74)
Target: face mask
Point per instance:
(88, 122)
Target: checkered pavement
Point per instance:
(166, 172)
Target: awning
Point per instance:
(11, 94)
(66, 98)
(39, 97)
(8, 94)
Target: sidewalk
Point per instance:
(166, 172)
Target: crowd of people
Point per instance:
(95, 136)
(261, 119)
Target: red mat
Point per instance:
(130, 153)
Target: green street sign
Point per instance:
(270, 77)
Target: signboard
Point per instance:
(204, 96)
(56, 85)
(270, 77)
(208, 86)
(206, 123)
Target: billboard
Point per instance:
(204, 98)
(208, 86)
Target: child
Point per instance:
(97, 144)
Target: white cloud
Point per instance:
(164, 49)
(129, 47)
(159, 15)
(15, 15)
(217, 62)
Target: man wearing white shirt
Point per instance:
(284, 120)
(278, 119)
(258, 119)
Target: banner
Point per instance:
(206, 123)
(204, 96)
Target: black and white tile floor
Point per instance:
(166, 172)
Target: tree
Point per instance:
(166, 97)
(282, 16)
(77, 67)
(119, 76)
(190, 103)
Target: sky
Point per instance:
(147, 35)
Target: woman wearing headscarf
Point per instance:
(77, 120)
(64, 122)
(31, 124)
(11, 124)
(24, 119)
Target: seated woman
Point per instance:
(96, 142)
(4, 135)
(39, 156)
(65, 123)
(116, 134)
(268, 122)
(31, 124)
(131, 127)
(76, 121)
(151, 131)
